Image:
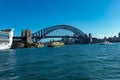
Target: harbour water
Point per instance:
(72, 62)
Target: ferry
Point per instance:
(6, 38)
(104, 43)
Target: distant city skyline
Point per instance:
(99, 17)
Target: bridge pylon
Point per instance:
(27, 36)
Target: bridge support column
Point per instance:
(27, 37)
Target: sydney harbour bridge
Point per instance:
(65, 32)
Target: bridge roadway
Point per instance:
(18, 37)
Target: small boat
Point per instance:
(104, 43)
(6, 38)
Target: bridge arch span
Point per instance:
(42, 33)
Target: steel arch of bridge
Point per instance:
(42, 33)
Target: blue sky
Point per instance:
(99, 17)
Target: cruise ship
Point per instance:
(6, 38)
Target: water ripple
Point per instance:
(74, 62)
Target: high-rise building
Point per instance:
(119, 34)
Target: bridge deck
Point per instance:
(18, 37)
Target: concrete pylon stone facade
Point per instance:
(27, 35)
(90, 37)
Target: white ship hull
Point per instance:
(6, 38)
(104, 43)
